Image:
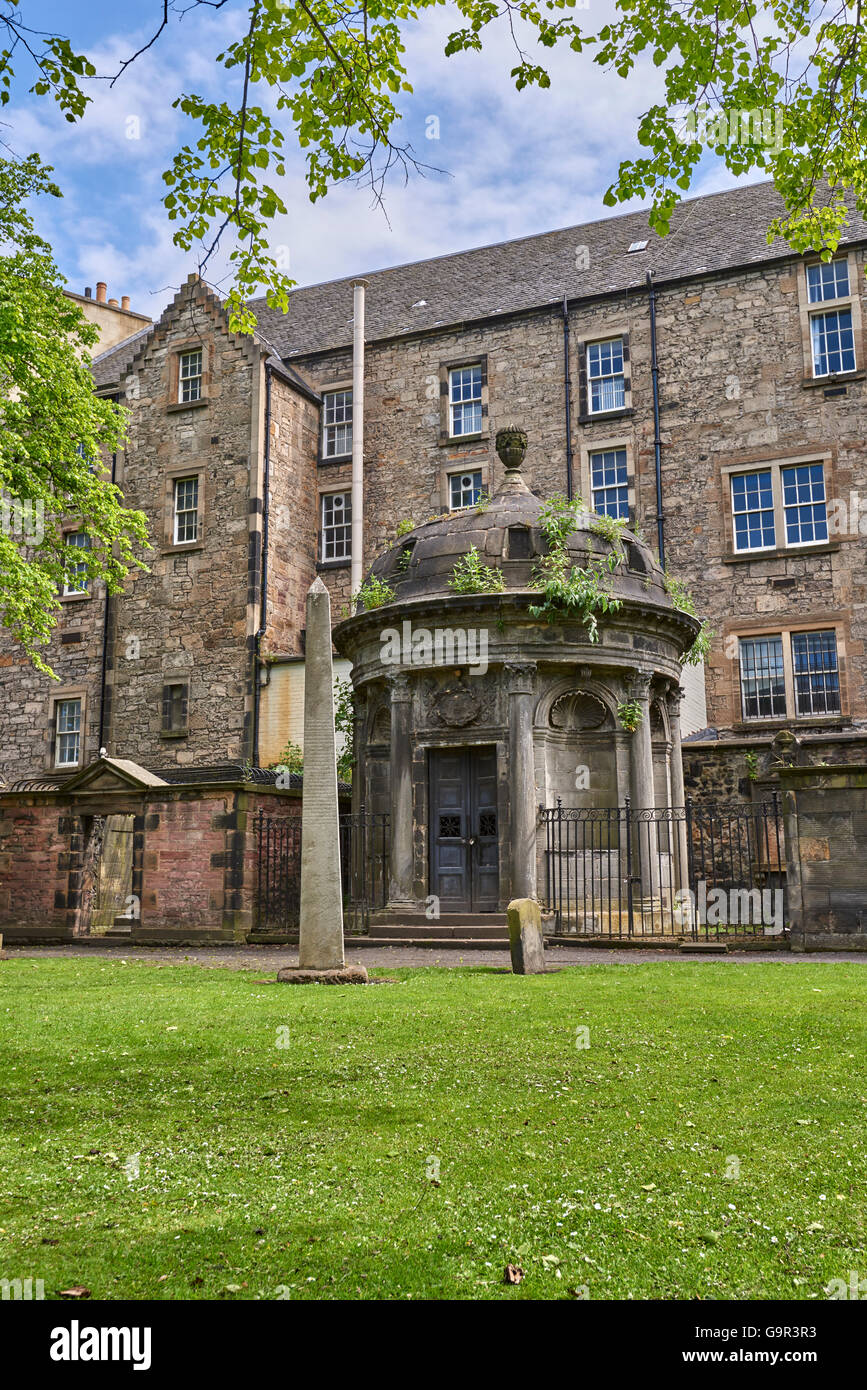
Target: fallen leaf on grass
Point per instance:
(77, 1291)
(513, 1274)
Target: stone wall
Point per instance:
(720, 771)
(826, 839)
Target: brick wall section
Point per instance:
(826, 837)
(195, 861)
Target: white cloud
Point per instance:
(519, 163)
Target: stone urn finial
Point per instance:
(511, 447)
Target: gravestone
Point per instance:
(321, 959)
(525, 937)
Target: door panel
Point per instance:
(464, 868)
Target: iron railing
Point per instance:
(364, 859)
(695, 871)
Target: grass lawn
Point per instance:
(708, 1143)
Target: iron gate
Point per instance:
(364, 856)
(699, 870)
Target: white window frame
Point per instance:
(329, 529)
(745, 473)
(814, 714)
(833, 307)
(82, 542)
(190, 381)
(600, 378)
(337, 405)
(466, 473)
(473, 401)
(179, 512)
(74, 732)
(776, 467)
(598, 453)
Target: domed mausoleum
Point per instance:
(471, 713)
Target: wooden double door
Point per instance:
(464, 830)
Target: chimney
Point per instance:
(124, 303)
(101, 288)
(88, 293)
(114, 304)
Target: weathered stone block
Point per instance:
(525, 937)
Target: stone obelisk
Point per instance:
(321, 956)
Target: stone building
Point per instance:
(705, 388)
(470, 712)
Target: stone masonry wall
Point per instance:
(188, 619)
(826, 838)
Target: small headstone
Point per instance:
(525, 937)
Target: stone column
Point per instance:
(321, 930)
(401, 861)
(644, 834)
(678, 796)
(521, 679)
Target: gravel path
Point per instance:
(270, 958)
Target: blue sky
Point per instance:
(516, 163)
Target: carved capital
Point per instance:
(638, 686)
(399, 689)
(520, 677)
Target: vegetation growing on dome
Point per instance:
(471, 576)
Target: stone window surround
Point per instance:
(598, 446)
(69, 529)
(56, 697)
(180, 732)
(479, 463)
(194, 344)
(806, 310)
(170, 546)
(769, 626)
(342, 384)
(600, 331)
(328, 491)
(446, 438)
(776, 463)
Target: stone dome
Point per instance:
(505, 531)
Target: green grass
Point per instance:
(307, 1167)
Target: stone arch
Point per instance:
(579, 703)
(579, 711)
(380, 725)
(659, 727)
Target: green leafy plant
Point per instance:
(404, 527)
(683, 599)
(344, 723)
(630, 714)
(403, 559)
(471, 576)
(375, 593)
(484, 503)
(570, 590)
(290, 760)
(752, 761)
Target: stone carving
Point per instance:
(457, 705)
(578, 709)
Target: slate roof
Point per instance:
(722, 231)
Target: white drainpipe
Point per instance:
(357, 568)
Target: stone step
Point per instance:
(433, 942)
(390, 918)
(439, 930)
(704, 948)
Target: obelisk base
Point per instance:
(344, 975)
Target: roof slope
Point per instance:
(720, 232)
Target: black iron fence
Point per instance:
(364, 856)
(695, 871)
